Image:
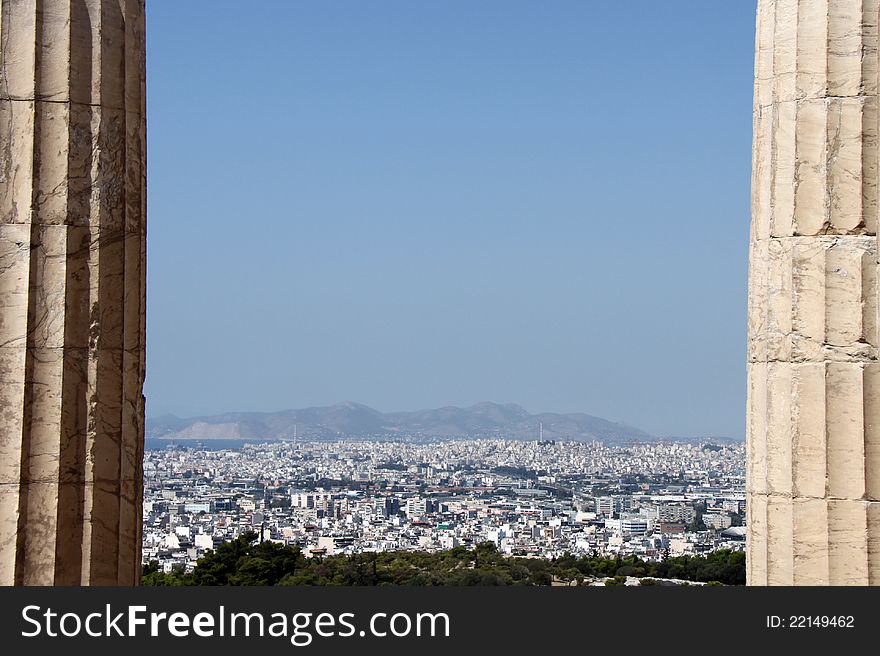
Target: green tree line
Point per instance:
(244, 562)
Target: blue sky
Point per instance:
(415, 204)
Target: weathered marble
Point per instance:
(813, 475)
(72, 290)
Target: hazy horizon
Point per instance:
(531, 411)
(417, 205)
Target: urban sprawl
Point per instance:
(530, 498)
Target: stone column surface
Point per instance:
(813, 428)
(72, 238)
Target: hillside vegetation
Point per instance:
(243, 562)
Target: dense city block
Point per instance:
(548, 500)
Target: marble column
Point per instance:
(72, 290)
(813, 429)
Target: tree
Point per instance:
(242, 562)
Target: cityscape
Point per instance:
(390, 260)
(540, 498)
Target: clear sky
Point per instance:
(415, 204)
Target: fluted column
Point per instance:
(813, 435)
(72, 238)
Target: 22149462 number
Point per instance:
(810, 622)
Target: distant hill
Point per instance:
(355, 420)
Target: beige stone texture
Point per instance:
(813, 473)
(72, 290)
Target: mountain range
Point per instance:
(355, 420)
